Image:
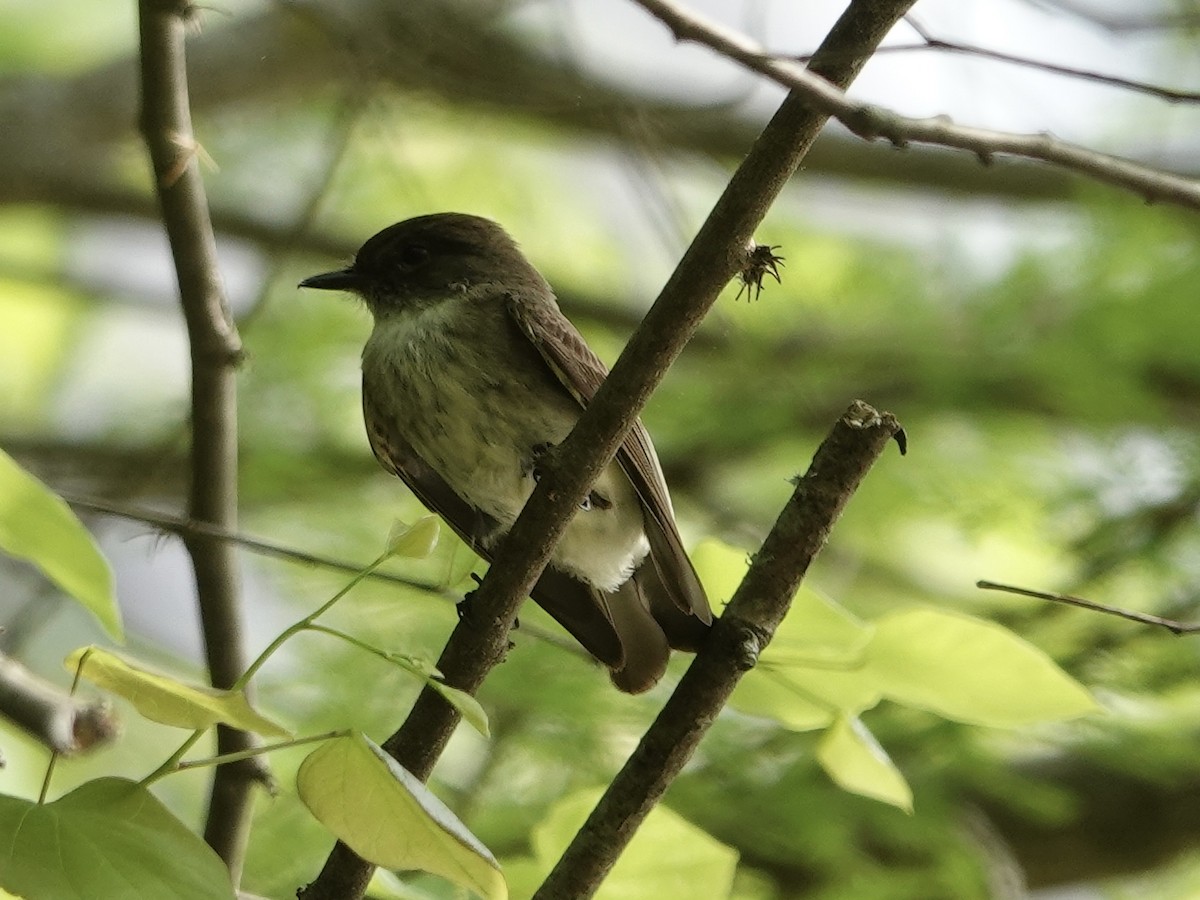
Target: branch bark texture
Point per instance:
(714, 257)
(744, 629)
(215, 352)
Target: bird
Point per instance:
(470, 376)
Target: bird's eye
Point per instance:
(413, 256)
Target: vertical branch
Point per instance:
(215, 352)
(744, 629)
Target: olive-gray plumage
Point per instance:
(470, 373)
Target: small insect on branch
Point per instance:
(761, 261)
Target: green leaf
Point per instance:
(107, 838)
(970, 670)
(856, 762)
(668, 857)
(414, 541)
(36, 525)
(389, 818)
(161, 698)
(957, 666)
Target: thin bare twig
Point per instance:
(186, 527)
(714, 257)
(190, 528)
(1172, 625)
(1119, 23)
(874, 122)
(929, 42)
(737, 639)
(215, 352)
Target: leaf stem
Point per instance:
(169, 765)
(54, 754)
(404, 661)
(307, 621)
(258, 751)
(173, 765)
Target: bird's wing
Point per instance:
(581, 372)
(575, 605)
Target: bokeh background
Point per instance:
(1038, 336)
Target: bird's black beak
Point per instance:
(342, 280)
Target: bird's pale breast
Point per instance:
(473, 398)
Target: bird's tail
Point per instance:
(645, 645)
(650, 625)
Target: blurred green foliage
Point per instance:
(1049, 385)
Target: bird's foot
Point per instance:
(465, 606)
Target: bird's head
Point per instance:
(423, 261)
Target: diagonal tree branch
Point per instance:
(874, 122)
(188, 528)
(744, 629)
(215, 352)
(715, 256)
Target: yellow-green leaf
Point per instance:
(970, 670)
(852, 757)
(162, 698)
(957, 666)
(389, 818)
(36, 525)
(414, 541)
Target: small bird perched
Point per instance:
(471, 374)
